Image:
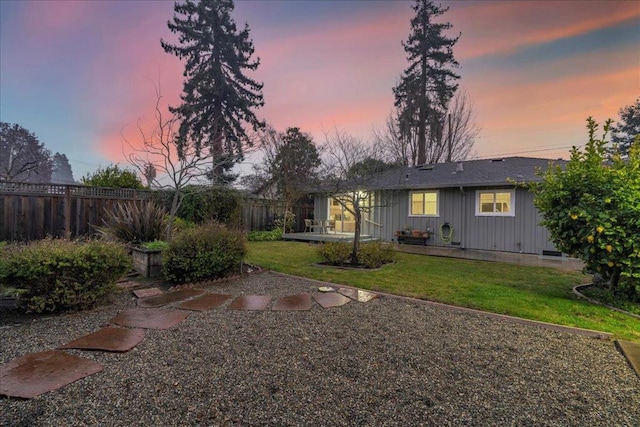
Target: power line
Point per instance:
(527, 152)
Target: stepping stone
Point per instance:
(108, 339)
(300, 302)
(331, 299)
(147, 292)
(31, 375)
(205, 302)
(250, 302)
(357, 294)
(169, 297)
(150, 319)
(631, 351)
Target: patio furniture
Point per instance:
(329, 225)
(314, 225)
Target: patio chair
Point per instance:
(308, 223)
(330, 225)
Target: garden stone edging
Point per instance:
(593, 301)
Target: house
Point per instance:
(470, 205)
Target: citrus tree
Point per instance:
(591, 207)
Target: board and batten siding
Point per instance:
(521, 233)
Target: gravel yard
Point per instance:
(386, 362)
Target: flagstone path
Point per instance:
(37, 373)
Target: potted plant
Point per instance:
(407, 230)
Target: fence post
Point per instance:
(67, 212)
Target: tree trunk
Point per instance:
(356, 234)
(614, 280)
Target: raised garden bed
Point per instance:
(413, 239)
(147, 262)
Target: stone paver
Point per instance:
(631, 350)
(205, 302)
(147, 292)
(108, 339)
(250, 302)
(299, 302)
(36, 373)
(331, 299)
(357, 294)
(169, 297)
(150, 319)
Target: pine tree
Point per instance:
(427, 85)
(62, 173)
(628, 128)
(218, 99)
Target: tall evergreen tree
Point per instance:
(427, 85)
(628, 128)
(218, 99)
(62, 173)
(22, 157)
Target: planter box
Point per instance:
(147, 262)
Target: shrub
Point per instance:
(206, 252)
(113, 176)
(335, 253)
(201, 204)
(591, 209)
(179, 224)
(265, 236)
(59, 275)
(375, 254)
(133, 223)
(279, 223)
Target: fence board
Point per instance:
(34, 211)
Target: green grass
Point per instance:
(535, 293)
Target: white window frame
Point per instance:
(512, 211)
(436, 192)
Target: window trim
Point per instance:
(512, 211)
(436, 215)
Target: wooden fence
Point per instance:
(34, 211)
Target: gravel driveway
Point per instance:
(386, 362)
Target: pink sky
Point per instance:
(76, 73)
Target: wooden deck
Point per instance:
(325, 237)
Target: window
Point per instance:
(495, 203)
(423, 203)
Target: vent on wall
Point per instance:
(497, 160)
(552, 253)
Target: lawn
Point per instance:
(535, 293)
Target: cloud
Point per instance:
(503, 27)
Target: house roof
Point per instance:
(470, 173)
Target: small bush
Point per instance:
(179, 224)
(335, 253)
(203, 203)
(278, 222)
(132, 223)
(59, 275)
(265, 236)
(375, 254)
(370, 255)
(206, 252)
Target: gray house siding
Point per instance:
(457, 207)
(320, 207)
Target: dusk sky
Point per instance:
(76, 72)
